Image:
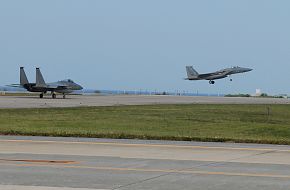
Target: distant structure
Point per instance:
(258, 92)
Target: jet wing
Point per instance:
(206, 75)
(219, 73)
(15, 85)
(57, 86)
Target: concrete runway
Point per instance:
(76, 101)
(47, 163)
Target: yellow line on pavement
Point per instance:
(193, 172)
(145, 145)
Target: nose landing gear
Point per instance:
(211, 82)
(53, 95)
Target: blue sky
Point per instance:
(134, 44)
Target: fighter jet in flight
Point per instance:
(193, 75)
(64, 86)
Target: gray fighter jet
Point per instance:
(64, 86)
(193, 75)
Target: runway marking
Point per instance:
(41, 161)
(195, 172)
(148, 145)
(182, 171)
(22, 187)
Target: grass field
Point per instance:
(234, 123)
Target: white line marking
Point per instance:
(20, 187)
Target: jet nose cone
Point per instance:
(247, 69)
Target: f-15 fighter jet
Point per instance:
(64, 86)
(193, 75)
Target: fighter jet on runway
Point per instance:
(193, 75)
(64, 87)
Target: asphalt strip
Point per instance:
(19, 187)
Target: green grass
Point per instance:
(234, 123)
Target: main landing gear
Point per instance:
(53, 95)
(211, 82)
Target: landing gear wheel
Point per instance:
(211, 82)
(231, 79)
(41, 96)
(54, 96)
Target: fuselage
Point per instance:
(220, 74)
(64, 87)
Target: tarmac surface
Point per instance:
(85, 100)
(51, 163)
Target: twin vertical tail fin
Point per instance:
(23, 77)
(39, 79)
(191, 72)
